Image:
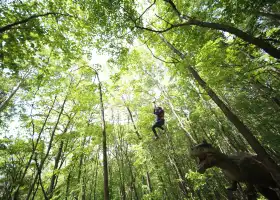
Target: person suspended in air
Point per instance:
(159, 112)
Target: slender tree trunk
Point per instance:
(95, 183)
(33, 151)
(83, 185)
(269, 93)
(5, 103)
(149, 182)
(182, 183)
(40, 181)
(94, 179)
(48, 150)
(56, 163)
(68, 185)
(119, 159)
(133, 182)
(104, 145)
(54, 176)
(241, 127)
(132, 120)
(81, 159)
(191, 140)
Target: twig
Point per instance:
(158, 57)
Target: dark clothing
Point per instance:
(158, 124)
(159, 113)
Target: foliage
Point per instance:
(50, 127)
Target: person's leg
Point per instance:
(160, 124)
(154, 129)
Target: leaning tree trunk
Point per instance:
(233, 118)
(131, 118)
(104, 145)
(260, 43)
(15, 192)
(5, 103)
(40, 167)
(149, 184)
(56, 163)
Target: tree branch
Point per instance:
(270, 15)
(174, 7)
(10, 26)
(146, 10)
(260, 43)
(267, 47)
(158, 57)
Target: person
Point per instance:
(159, 112)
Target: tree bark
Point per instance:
(54, 176)
(94, 178)
(149, 182)
(134, 126)
(56, 163)
(10, 26)
(4, 103)
(33, 152)
(133, 182)
(48, 150)
(260, 43)
(104, 141)
(240, 126)
(191, 140)
(67, 185)
(270, 15)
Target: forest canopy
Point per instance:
(80, 79)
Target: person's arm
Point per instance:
(154, 107)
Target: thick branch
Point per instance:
(270, 15)
(10, 26)
(262, 44)
(268, 48)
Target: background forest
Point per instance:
(77, 125)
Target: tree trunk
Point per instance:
(48, 150)
(241, 127)
(5, 103)
(67, 185)
(269, 93)
(274, 16)
(267, 47)
(149, 182)
(133, 182)
(132, 120)
(104, 145)
(94, 178)
(33, 151)
(54, 176)
(182, 182)
(191, 140)
(56, 163)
